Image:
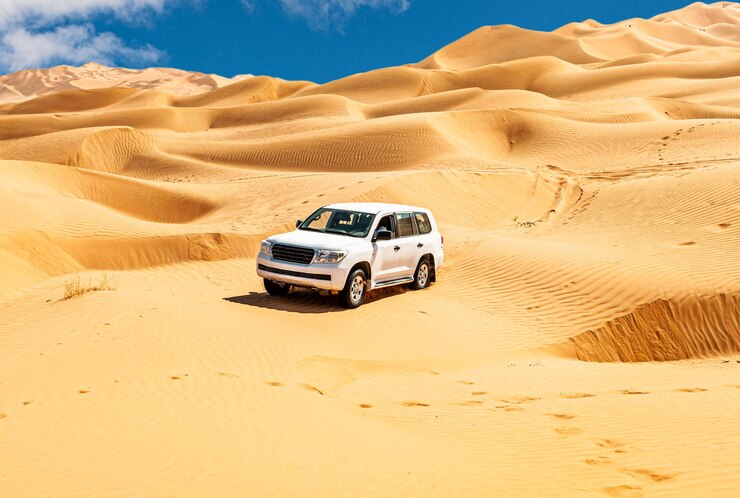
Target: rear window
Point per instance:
(422, 221)
(405, 224)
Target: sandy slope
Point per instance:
(583, 338)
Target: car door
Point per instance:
(410, 249)
(386, 260)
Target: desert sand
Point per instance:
(583, 338)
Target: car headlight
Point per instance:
(266, 248)
(323, 256)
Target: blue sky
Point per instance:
(317, 40)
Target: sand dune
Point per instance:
(27, 84)
(583, 338)
(665, 331)
(696, 26)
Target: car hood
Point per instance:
(316, 240)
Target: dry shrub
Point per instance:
(76, 287)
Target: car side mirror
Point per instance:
(298, 223)
(383, 235)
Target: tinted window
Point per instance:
(405, 224)
(422, 221)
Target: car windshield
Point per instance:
(339, 221)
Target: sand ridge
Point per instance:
(582, 340)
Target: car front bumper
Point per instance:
(325, 277)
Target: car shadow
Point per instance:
(303, 301)
(296, 302)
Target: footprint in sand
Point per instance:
(724, 226)
(274, 383)
(309, 387)
(561, 416)
(413, 403)
(649, 475)
(508, 408)
(600, 460)
(568, 431)
(518, 400)
(630, 391)
(689, 390)
(83, 391)
(472, 402)
(611, 444)
(576, 395)
(365, 405)
(624, 491)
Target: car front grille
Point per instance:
(292, 254)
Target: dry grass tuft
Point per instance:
(76, 287)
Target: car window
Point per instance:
(386, 223)
(422, 221)
(319, 222)
(405, 224)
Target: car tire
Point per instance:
(353, 294)
(276, 288)
(422, 275)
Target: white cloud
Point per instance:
(74, 44)
(327, 14)
(249, 5)
(40, 12)
(36, 33)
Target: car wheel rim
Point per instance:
(423, 275)
(357, 289)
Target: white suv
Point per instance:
(353, 248)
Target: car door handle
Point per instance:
(397, 248)
(419, 245)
